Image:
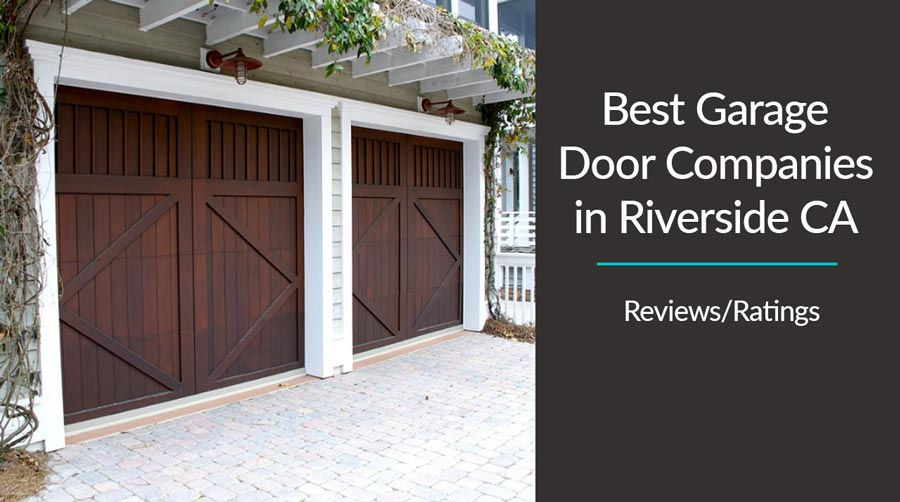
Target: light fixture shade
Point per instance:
(240, 64)
(449, 112)
(240, 72)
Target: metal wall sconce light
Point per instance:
(449, 112)
(234, 61)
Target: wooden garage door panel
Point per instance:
(121, 213)
(244, 285)
(435, 241)
(407, 236)
(247, 219)
(139, 183)
(377, 256)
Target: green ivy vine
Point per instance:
(510, 125)
(346, 24)
(358, 25)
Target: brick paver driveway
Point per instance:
(454, 421)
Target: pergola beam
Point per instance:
(468, 91)
(160, 12)
(322, 58)
(231, 25)
(74, 5)
(278, 43)
(404, 57)
(454, 80)
(439, 68)
(499, 97)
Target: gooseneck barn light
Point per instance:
(449, 112)
(234, 61)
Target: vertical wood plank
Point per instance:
(65, 133)
(161, 146)
(147, 144)
(116, 142)
(84, 144)
(87, 301)
(105, 360)
(228, 151)
(132, 146)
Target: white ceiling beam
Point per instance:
(468, 91)
(74, 5)
(403, 57)
(278, 42)
(236, 23)
(498, 97)
(134, 3)
(159, 12)
(432, 69)
(321, 58)
(453, 81)
(384, 61)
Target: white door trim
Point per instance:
(361, 114)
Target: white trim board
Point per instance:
(357, 113)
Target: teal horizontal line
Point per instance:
(717, 263)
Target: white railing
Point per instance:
(514, 278)
(516, 229)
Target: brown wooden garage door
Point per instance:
(178, 228)
(407, 237)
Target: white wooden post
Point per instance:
(317, 247)
(474, 298)
(493, 23)
(49, 408)
(524, 194)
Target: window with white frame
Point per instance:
(439, 3)
(517, 18)
(475, 11)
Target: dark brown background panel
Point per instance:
(407, 236)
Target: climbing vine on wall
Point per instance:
(25, 125)
(510, 124)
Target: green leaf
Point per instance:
(262, 20)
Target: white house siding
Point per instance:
(337, 276)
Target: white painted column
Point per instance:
(49, 408)
(474, 298)
(524, 173)
(317, 246)
(493, 16)
(507, 180)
